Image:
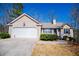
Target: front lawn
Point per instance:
(55, 50)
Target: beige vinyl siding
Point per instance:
(28, 22)
(25, 22)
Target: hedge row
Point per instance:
(48, 37)
(4, 35)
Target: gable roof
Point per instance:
(50, 25)
(67, 24)
(44, 25)
(21, 17)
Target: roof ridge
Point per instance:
(21, 16)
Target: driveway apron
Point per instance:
(16, 47)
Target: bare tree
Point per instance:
(75, 18)
(9, 12)
(36, 14)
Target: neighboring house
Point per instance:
(25, 26)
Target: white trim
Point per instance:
(21, 16)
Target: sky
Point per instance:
(42, 11)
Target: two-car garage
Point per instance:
(24, 33)
(25, 26)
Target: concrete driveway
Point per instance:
(16, 47)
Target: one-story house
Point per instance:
(25, 26)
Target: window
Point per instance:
(47, 31)
(66, 31)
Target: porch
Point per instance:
(56, 31)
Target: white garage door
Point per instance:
(24, 33)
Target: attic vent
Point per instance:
(23, 24)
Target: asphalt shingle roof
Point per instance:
(50, 25)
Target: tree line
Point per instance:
(9, 12)
(75, 19)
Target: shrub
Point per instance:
(4, 35)
(65, 37)
(77, 40)
(59, 37)
(71, 39)
(48, 37)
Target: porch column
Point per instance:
(62, 33)
(58, 32)
(71, 32)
